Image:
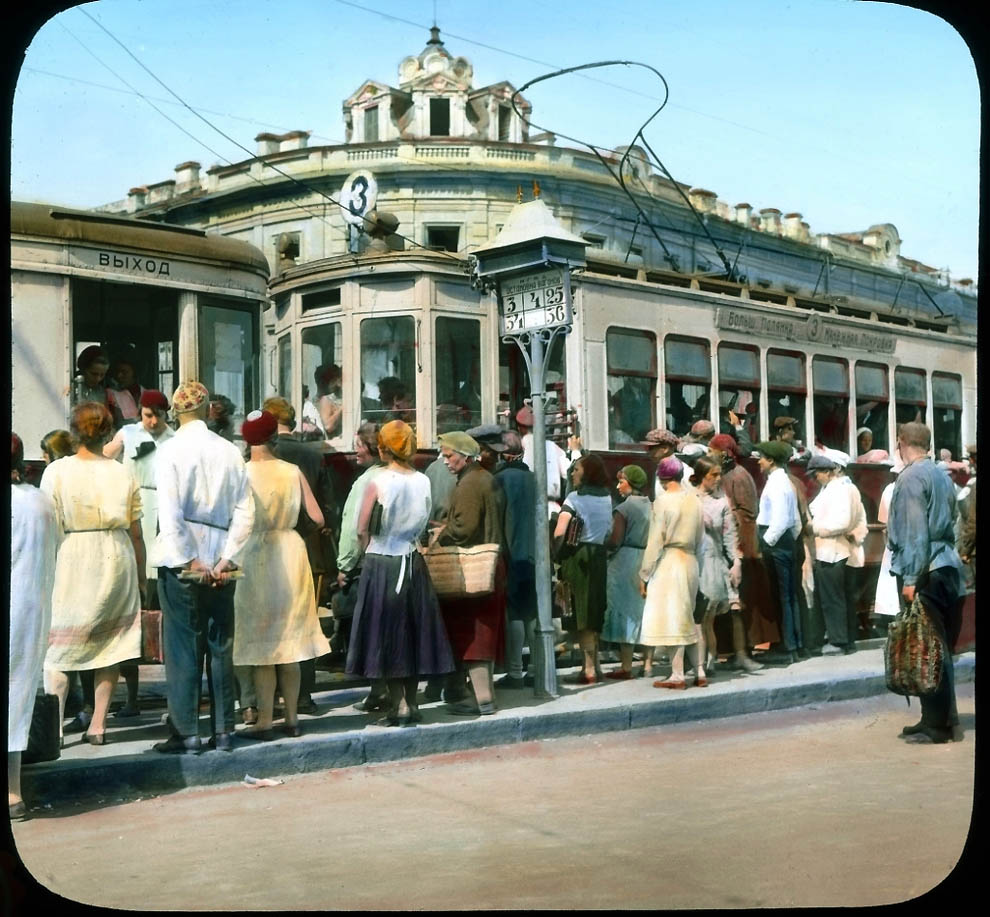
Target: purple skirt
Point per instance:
(397, 635)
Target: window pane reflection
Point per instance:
(458, 373)
(388, 369)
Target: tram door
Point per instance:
(135, 325)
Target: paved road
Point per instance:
(794, 808)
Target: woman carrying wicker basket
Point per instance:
(398, 633)
(475, 625)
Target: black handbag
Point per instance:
(44, 743)
(568, 545)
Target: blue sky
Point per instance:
(851, 113)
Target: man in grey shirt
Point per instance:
(921, 536)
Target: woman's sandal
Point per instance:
(99, 738)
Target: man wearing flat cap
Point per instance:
(661, 444)
(489, 437)
(779, 525)
(205, 516)
(136, 444)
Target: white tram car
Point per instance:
(184, 303)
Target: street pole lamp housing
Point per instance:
(529, 266)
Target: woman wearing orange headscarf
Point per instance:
(398, 634)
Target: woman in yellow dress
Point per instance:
(100, 567)
(274, 604)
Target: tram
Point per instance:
(181, 303)
(404, 334)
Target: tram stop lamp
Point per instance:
(528, 266)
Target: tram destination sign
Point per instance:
(816, 329)
(534, 302)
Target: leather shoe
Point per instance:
(292, 731)
(261, 735)
(95, 738)
(929, 735)
(432, 693)
(179, 745)
(618, 675)
(675, 685)
(700, 682)
(913, 730)
(509, 681)
(580, 678)
(371, 704)
(222, 741)
(777, 658)
(307, 706)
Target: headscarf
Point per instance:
(670, 469)
(89, 356)
(458, 441)
(724, 443)
(398, 438)
(634, 475)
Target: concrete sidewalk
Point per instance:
(340, 736)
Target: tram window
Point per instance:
(872, 398)
(320, 365)
(946, 412)
(514, 387)
(285, 366)
(687, 383)
(457, 369)
(910, 399)
(739, 388)
(787, 388)
(388, 369)
(141, 321)
(830, 378)
(632, 385)
(228, 351)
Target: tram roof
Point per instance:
(52, 222)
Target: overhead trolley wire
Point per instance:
(236, 143)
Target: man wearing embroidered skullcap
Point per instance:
(779, 525)
(205, 516)
(475, 625)
(136, 445)
(921, 537)
(558, 464)
(308, 457)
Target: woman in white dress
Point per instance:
(100, 569)
(275, 604)
(888, 601)
(670, 576)
(33, 537)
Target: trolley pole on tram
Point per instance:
(529, 267)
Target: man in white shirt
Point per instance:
(558, 464)
(205, 515)
(779, 524)
(136, 444)
(832, 522)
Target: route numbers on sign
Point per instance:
(533, 302)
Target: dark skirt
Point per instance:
(397, 636)
(760, 613)
(476, 626)
(587, 573)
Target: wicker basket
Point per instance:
(462, 572)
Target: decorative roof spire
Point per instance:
(435, 36)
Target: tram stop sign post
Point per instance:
(529, 267)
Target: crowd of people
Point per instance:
(143, 514)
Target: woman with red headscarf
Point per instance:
(275, 605)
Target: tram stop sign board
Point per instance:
(534, 302)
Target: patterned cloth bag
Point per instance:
(913, 654)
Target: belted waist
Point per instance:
(108, 528)
(212, 525)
